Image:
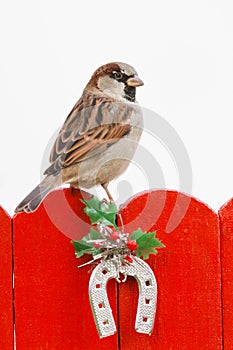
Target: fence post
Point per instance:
(187, 273)
(6, 288)
(51, 293)
(226, 222)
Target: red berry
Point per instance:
(114, 235)
(97, 245)
(132, 244)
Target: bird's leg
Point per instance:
(105, 187)
(72, 191)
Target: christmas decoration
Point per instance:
(118, 253)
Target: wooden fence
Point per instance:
(48, 303)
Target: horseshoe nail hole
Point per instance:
(98, 285)
(121, 277)
(105, 323)
(147, 301)
(101, 305)
(145, 319)
(104, 271)
(148, 283)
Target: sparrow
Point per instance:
(98, 138)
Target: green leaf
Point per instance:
(92, 235)
(97, 251)
(147, 243)
(137, 234)
(101, 212)
(81, 247)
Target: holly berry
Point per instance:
(132, 244)
(114, 235)
(97, 245)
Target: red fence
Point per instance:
(51, 306)
(226, 224)
(6, 290)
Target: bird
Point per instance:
(99, 137)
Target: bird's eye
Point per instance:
(118, 75)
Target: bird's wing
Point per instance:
(88, 131)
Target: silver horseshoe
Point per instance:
(147, 299)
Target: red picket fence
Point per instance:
(226, 224)
(51, 306)
(6, 286)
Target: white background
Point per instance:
(183, 50)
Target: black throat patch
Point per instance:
(130, 93)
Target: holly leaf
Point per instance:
(92, 236)
(147, 243)
(101, 212)
(81, 248)
(137, 234)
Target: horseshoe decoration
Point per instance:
(111, 268)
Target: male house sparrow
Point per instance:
(99, 136)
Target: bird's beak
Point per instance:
(134, 81)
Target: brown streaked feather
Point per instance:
(80, 119)
(88, 130)
(94, 142)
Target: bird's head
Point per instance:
(116, 80)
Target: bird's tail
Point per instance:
(34, 198)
